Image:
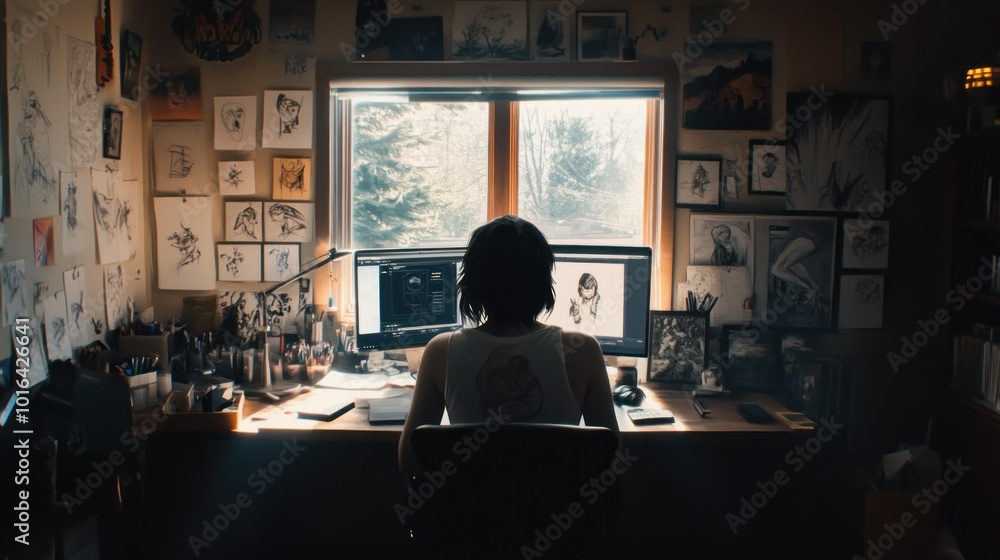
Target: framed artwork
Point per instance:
(239, 262)
(678, 346)
(815, 387)
(281, 261)
(699, 182)
(861, 300)
(876, 60)
(289, 222)
(244, 221)
(600, 35)
(728, 86)
(751, 358)
(490, 31)
(292, 179)
(794, 271)
(721, 239)
(288, 117)
(550, 30)
(235, 122)
(112, 129)
(131, 61)
(237, 178)
(177, 97)
(866, 244)
(837, 159)
(416, 38)
(292, 21)
(767, 167)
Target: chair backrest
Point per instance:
(489, 490)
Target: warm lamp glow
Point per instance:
(981, 77)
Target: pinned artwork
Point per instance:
(214, 31)
(180, 158)
(289, 222)
(15, 300)
(284, 313)
(41, 292)
(184, 244)
(237, 178)
(116, 216)
(299, 67)
(699, 182)
(177, 97)
(76, 213)
(239, 262)
(36, 110)
(281, 261)
(236, 123)
(240, 312)
(721, 240)
(56, 333)
(292, 179)
(862, 298)
(84, 107)
(490, 31)
(244, 221)
(288, 117)
(44, 241)
(36, 359)
(115, 295)
(292, 21)
(866, 244)
(78, 321)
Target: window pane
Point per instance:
(419, 173)
(581, 169)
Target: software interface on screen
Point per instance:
(405, 296)
(604, 291)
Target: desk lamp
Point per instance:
(282, 388)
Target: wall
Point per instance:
(61, 20)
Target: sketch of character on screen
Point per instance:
(584, 309)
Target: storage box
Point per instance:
(141, 345)
(179, 418)
(143, 389)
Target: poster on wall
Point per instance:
(184, 244)
(236, 123)
(180, 158)
(116, 215)
(728, 87)
(177, 97)
(212, 30)
(37, 111)
(288, 118)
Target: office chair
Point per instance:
(519, 486)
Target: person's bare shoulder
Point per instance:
(580, 349)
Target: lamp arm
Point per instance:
(332, 255)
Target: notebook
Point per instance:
(388, 411)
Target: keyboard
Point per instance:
(642, 416)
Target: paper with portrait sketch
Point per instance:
(861, 300)
(56, 336)
(85, 117)
(185, 251)
(733, 287)
(77, 219)
(37, 113)
(236, 178)
(116, 215)
(15, 298)
(866, 243)
(721, 240)
(78, 323)
(289, 222)
(590, 298)
(244, 221)
(236, 123)
(181, 158)
(115, 295)
(288, 117)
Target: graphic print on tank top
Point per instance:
(509, 386)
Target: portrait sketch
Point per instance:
(699, 182)
(862, 298)
(236, 123)
(866, 244)
(678, 345)
(244, 221)
(767, 167)
(589, 298)
(721, 239)
(288, 117)
(289, 222)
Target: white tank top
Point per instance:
(522, 378)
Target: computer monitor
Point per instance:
(405, 297)
(604, 291)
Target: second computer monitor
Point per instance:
(605, 292)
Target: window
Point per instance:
(424, 167)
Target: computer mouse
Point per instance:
(627, 395)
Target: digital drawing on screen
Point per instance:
(590, 297)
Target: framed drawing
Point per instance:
(600, 35)
(489, 31)
(751, 358)
(767, 167)
(678, 346)
(112, 129)
(550, 26)
(728, 86)
(131, 56)
(866, 244)
(281, 261)
(699, 182)
(239, 262)
(721, 239)
(861, 300)
(837, 160)
(816, 388)
(794, 271)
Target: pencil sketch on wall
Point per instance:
(78, 323)
(299, 67)
(239, 312)
(861, 301)
(284, 312)
(236, 123)
(76, 213)
(288, 221)
(180, 158)
(866, 244)
(184, 243)
(288, 119)
(292, 179)
(115, 296)
(243, 221)
(15, 301)
(236, 178)
(281, 262)
(56, 335)
(84, 105)
(239, 262)
(116, 218)
(721, 240)
(41, 292)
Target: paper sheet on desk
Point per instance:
(363, 381)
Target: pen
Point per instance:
(701, 410)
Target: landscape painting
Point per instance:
(728, 87)
(490, 31)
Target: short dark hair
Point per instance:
(506, 272)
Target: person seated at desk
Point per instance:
(510, 366)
